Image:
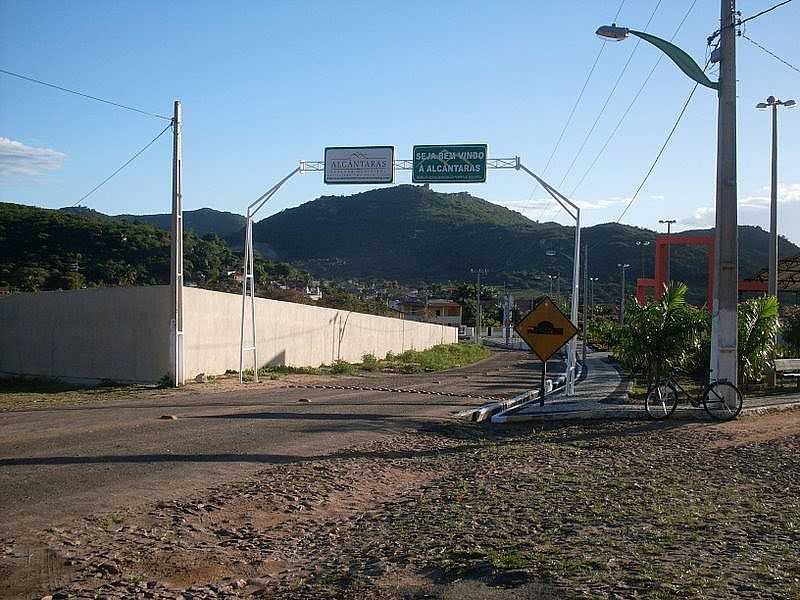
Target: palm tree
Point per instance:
(758, 325)
(663, 334)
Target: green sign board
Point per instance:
(464, 163)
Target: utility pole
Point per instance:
(724, 328)
(585, 298)
(592, 280)
(622, 295)
(176, 254)
(478, 307)
(772, 287)
(669, 223)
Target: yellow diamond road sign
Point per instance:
(545, 329)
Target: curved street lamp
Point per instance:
(685, 62)
(724, 344)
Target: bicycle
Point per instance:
(721, 399)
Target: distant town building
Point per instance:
(434, 310)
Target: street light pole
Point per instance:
(724, 327)
(669, 223)
(585, 299)
(772, 286)
(622, 295)
(724, 347)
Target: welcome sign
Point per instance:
(464, 163)
(359, 164)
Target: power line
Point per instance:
(743, 21)
(630, 104)
(125, 164)
(763, 12)
(575, 106)
(619, 10)
(63, 89)
(660, 152)
(608, 98)
(791, 66)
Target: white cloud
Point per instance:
(702, 217)
(787, 192)
(18, 159)
(600, 204)
(537, 208)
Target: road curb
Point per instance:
(594, 414)
(768, 408)
(488, 411)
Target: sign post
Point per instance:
(545, 329)
(465, 163)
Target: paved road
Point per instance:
(60, 463)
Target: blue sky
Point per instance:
(265, 84)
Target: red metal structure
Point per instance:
(657, 284)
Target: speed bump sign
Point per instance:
(545, 329)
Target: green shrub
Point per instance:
(342, 367)
(369, 363)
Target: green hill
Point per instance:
(410, 233)
(56, 249)
(201, 221)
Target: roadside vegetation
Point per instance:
(668, 333)
(437, 358)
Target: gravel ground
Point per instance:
(626, 509)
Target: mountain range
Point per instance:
(411, 233)
(201, 221)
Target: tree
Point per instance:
(758, 325)
(662, 334)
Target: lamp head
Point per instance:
(789, 103)
(761, 105)
(612, 32)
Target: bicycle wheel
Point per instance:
(722, 401)
(661, 400)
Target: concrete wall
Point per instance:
(123, 334)
(93, 334)
(293, 334)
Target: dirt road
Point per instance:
(63, 462)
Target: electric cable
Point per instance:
(125, 164)
(743, 21)
(63, 89)
(660, 152)
(763, 12)
(788, 64)
(630, 104)
(608, 98)
(574, 108)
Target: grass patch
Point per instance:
(437, 358)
